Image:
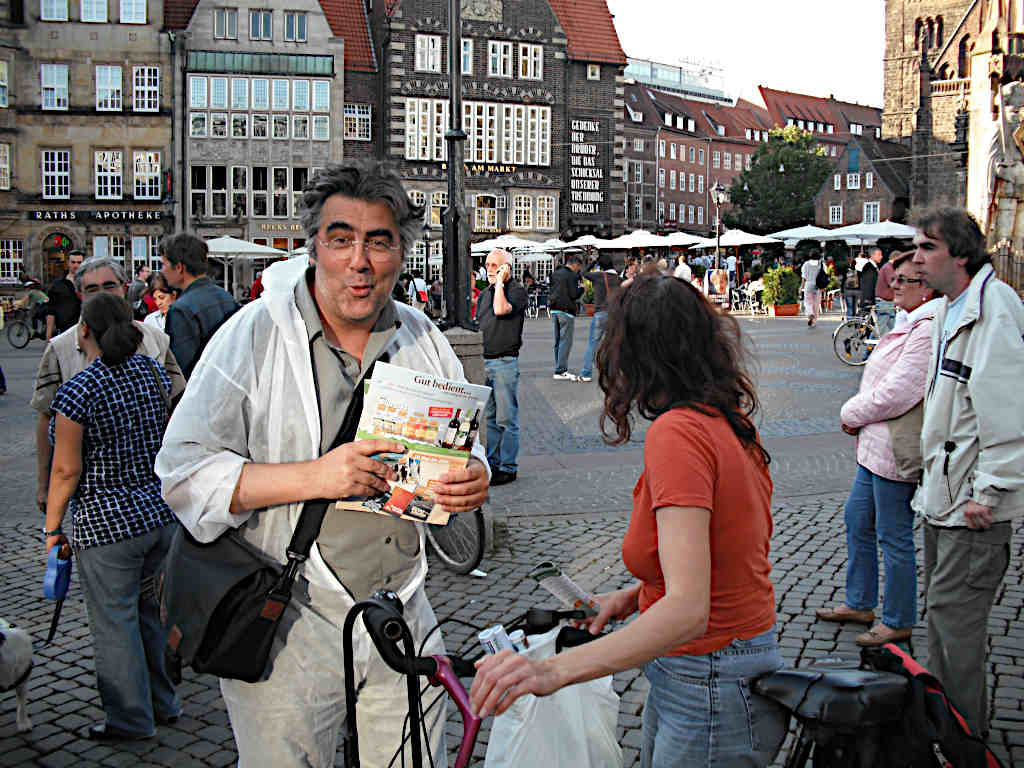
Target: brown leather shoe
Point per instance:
(881, 634)
(846, 613)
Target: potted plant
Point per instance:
(782, 292)
(588, 297)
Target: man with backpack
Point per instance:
(202, 306)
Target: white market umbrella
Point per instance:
(639, 238)
(587, 241)
(874, 231)
(737, 237)
(506, 242)
(682, 239)
(806, 232)
(230, 249)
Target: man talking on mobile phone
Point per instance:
(501, 311)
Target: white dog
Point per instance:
(15, 665)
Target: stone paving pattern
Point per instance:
(570, 504)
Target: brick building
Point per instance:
(85, 108)
(928, 50)
(868, 184)
(261, 94)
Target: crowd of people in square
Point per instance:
(162, 404)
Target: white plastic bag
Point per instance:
(573, 727)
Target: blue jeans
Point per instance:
(878, 512)
(502, 376)
(128, 639)
(700, 710)
(886, 312)
(851, 299)
(562, 324)
(597, 326)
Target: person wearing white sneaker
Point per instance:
(566, 289)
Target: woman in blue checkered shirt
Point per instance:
(107, 426)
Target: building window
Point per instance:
(197, 92)
(54, 10)
(321, 96)
(835, 214)
(260, 126)
(869, 180)
(871, 212)
(593, 71)
(661, 148)
(691, 154)
(240, 125)
(218, 93)
(198, 125)
(113, 247)
(425, 123)
(746, 162)
(748, 134)
(428, 53)
(146, 175)
(526, 134)
(672, 179)
(417, 197)
(357, 122)
(467, 56)
(716, 159)
(692, 185)
(146, 89)
(531, 61)
(700, 184)
(672, 151)
(638, 208)
(108, 175)
(279, 126)
(225, 23)
(321, 128)
(700, 214)
(133, 11)
(10, 260)
(300, 176)
(5, 166)
(108, 89)
(3, 83)
(260, 25)
(300, 95)
(700, 157)
(438, 202)
(689, 214)
(239, 93)
(661, 211)
(261, 93)
(486, 213)
(280, 95)
(499, 58)
(260, 191)
(661, 178)
(834, 152)
(300, 126)
(853, 181)
(837, 182)
(480, 122)
(672, 212)
(738, 162)
(638, 145)
(239, 191)
(295, 26)
(56, 165)
(546, 212)
(218, 125)
(94, 10)
(727, 161)
(522, 212)
(55, 86)
(638, 172)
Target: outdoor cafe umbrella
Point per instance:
(872, 232)
(735, 238)
(229, 249)
(806, 232)
(507, 242)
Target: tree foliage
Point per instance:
(765, 199)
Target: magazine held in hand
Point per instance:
(436, 419)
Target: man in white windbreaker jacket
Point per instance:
(972, 442)
(249, 443)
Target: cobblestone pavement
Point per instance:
(571, 504)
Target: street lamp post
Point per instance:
(718, 194)
(455, 269)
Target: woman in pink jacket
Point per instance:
(878, 508)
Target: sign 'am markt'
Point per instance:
(586, 170)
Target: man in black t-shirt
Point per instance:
(64, 306)
(501, 311)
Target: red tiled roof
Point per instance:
(785, 104)
(588, 25)
(346, 18)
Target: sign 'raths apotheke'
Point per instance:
(586, 169)
(113, 215)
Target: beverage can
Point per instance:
(518, 638)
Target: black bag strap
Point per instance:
(164, 394)
(314, 510)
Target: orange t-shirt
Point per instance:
(694, 460)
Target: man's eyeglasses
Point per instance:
(377, 248)
(903, 280)
(108, 286)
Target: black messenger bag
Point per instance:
(221, 602)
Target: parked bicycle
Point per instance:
(460, 543)
(856, 338)
(538, 300)
(19, 328)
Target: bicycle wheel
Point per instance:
(852, 341)
(18, 333)
(459, 543)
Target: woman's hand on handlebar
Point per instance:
(613, 606)
(503, 677)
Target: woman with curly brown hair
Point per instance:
(697, 542)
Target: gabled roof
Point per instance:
(588, 25)
(799, 106)
(891, 162)
(346, 18)
(653, 104)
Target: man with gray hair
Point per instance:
(64, 357)
(254, 438)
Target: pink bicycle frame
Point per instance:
(446, 677)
